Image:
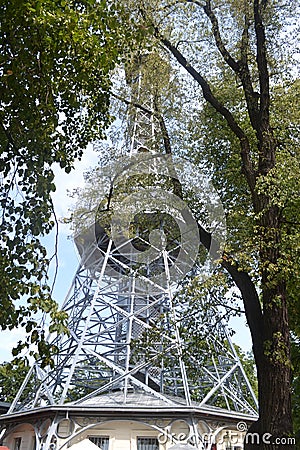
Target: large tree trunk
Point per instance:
(273, 353)
(271, 347)
(274, 377)
(270, 337)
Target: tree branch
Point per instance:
(253, 310)
(55, 254)
(252, 306)
(218, 40)
(266, 141)
(240, 67)
(262, 65)
(130, 103)
(220, 108)
(177, 187)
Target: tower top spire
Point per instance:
(147, 76)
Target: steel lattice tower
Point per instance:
(126, 338)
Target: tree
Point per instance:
(12, 375)
(260, 145)
(56, 59)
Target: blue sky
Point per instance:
(67, 256)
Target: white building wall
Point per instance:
(122, 435)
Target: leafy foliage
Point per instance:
(56, 59)
(12, 375)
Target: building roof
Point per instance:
(138, 404)
(132, 399)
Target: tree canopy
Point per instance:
(56, 60)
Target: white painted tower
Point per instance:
(124, 378)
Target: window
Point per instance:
(147, 443)
(17, 443)
(101, 441)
